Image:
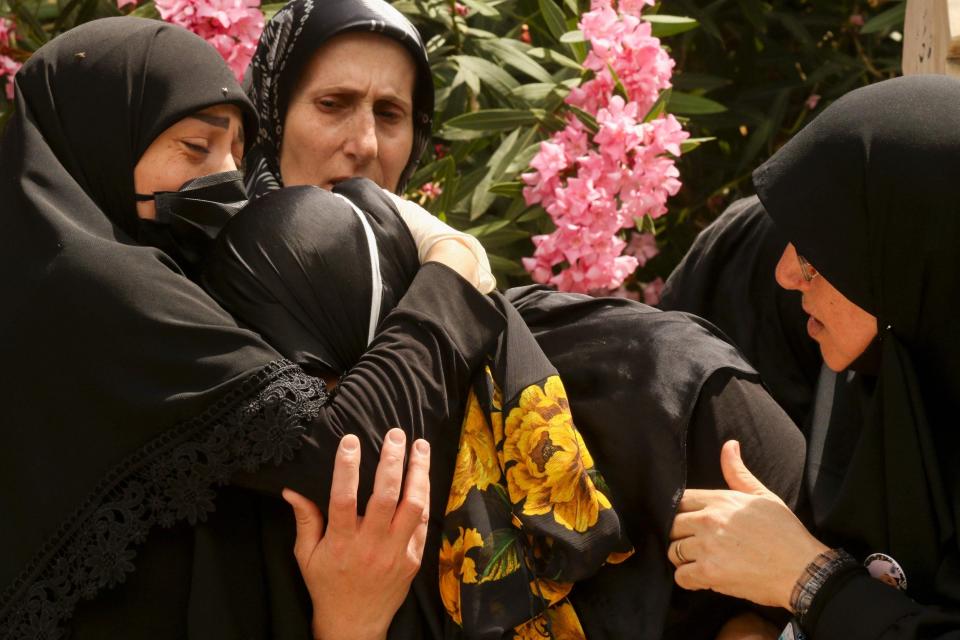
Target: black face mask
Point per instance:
(189, 219)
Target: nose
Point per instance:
(788, 273)
(361, 142)
(228, 164)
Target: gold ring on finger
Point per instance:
(680, 553)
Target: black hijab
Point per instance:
(867, 194)
(289, 41)
(727, 278)
(315, 273)
(123, 378)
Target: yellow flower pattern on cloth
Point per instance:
(521, 484)
(455, 567)
(478, 464)
(550, 474)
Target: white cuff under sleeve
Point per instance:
(427, 230)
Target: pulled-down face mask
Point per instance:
(190, 218)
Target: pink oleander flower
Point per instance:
(233, 27)
(431, 190)
(122, 3)
(857, 20)
(595, 186)
(8, 66)
(812, 101)
(643, 247)
(652, 291)
(460, 9)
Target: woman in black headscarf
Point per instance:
(134, 395)
(871, 215)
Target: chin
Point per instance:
(835, 361)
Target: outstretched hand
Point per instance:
(743, 542)
(358, 570)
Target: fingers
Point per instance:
(414, 510)
(343, 490)
(735, 472)
(683, 551)
(309, 524)
(695, 499)
(386, 485)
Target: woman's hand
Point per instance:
(744, 542)
(359, 570)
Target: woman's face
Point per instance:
(351, 114)
(209, 141)
(842, 329)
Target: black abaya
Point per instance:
(134, 395)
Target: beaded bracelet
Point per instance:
(813, 577)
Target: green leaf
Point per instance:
(511, 189)
(659, 106)
(482, 8)
(691, 105)
(482, 197)
(889, 19)
(549, 55)
(664, 26)
(488, 120)
(645, 224)
(149, 10)
(588, 120)
(573, 36)
(507, 267)
(521, 160)
(488, 73)
(692, 143)
(553, 17)
(270, 10)
(753, 11)
(516, 58)
(537, 92)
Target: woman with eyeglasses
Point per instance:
(873, 221)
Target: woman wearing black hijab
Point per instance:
(134, 395)
(871, 214)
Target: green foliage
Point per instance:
(749, 74)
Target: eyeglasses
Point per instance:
(806, 269)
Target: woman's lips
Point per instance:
(814, 327)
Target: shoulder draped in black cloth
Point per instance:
(112, 345)
(727, 277)
(131, 394)
(288, 42)
(635, 375)
(867, 194)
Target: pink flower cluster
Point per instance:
(594, 186)
(8, 66)
(233, 27)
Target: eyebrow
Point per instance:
(217, 121)
(343, 88)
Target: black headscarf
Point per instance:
(315, 273)
(868, 195)
(286, 46)
(122, 377)
(727, 278)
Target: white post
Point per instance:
(931, 38)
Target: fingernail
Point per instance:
(349, 444)
(396, 436)
(422, 447)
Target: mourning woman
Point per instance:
(871, 214)
(147, 435)
(344, 89)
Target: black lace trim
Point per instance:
(169, 480)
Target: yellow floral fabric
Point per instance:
(526, 515)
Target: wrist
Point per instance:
(355, 630)
(816, 573)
